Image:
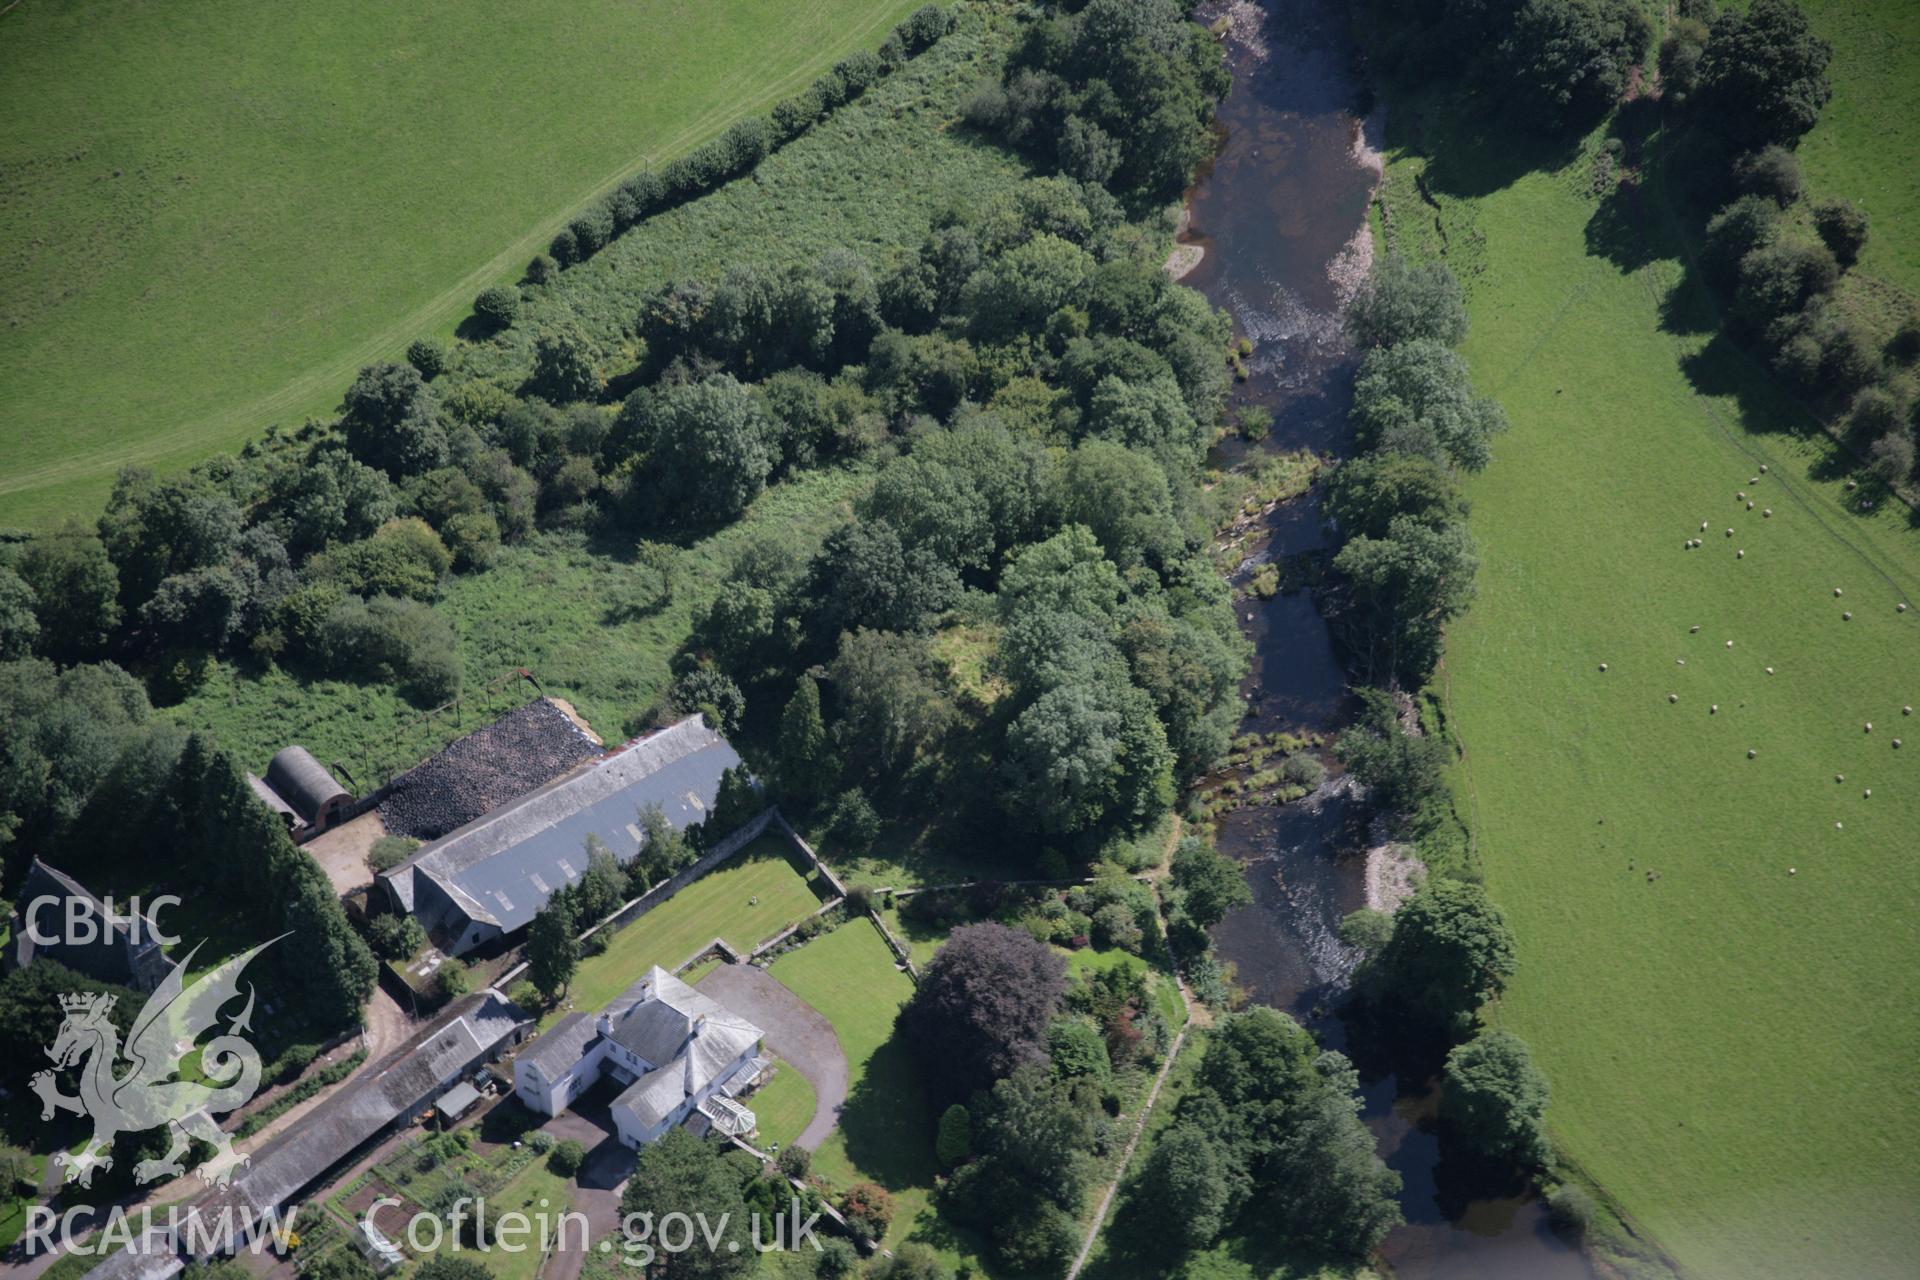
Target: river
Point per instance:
(1281, 214)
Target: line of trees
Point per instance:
(1737, 87)
(733, 154)
(1753, 84)
(1407, 566)
(1267, 1137)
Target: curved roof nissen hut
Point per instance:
(300, 780)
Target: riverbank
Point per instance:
(1715, 967)
(1282, 213)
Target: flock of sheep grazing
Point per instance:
(1846, 615)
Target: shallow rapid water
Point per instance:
(1281, 214)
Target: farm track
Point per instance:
(310, 392)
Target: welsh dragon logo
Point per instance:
(147, 1094)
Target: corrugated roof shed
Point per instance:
(507, 862)
(271, 798)
(303, 782)
(457, 1101)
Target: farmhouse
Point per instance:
(682, 1057)
(108, 946)
(489, 877)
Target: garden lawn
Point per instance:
(1731, 1044)
(216, 212)
(534, 1191)
(886, 1128)
(783, 1106)
(749, 899)
(923, 937)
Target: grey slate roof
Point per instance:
(302, 781)
(150, 1256)
(560, 1046)
(130, 956)
(502, 866)
(688, 1037)
(472, 1026)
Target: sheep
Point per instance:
(1846, 615)
(1694, 630)
(1763, 468)
(1673, 697)
(1901, 607)
(1749, 506)
(1751, 753)
(1769, 670)
(1714, 710)
(1603, 666)
(1740, 555)
(1869, 728)
(1729, 532)
(1896, 744)
(1906, 711)
(1836, 593)
(1703, 526)
(1767, 512)
(1756, 479)
(1740, 496)
(1867, 794)
(1729, 644)
(1839, 777)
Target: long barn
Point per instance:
(488, 878)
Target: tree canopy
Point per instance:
(1496, 1099)
(1450, 953)
(1763, 74)
(982, 1008)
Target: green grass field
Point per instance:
(1865, 146)
(213, 214)
(580, 616)
(886, 1129)
(751, 898)
(1730, 1043)
(784, 1106)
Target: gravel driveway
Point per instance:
(795, 1031)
